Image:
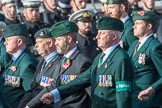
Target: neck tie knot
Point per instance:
(101, 60)
(136, 48)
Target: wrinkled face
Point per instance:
(81, 4)
(104, 39)
(9, 11)
(84, 27)
(11, 44)
(139, 28)
(149, 4)
(51, 3)
(32, 14)
(61, 44)
(114, 11)
(42, 46)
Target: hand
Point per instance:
(47, 98)
(145, 94)
(26, 107)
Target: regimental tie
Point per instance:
(100, 61)
(43, 65)
(63, 61)
(136, 48)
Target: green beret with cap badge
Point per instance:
(82, 15)
(15, 30)
(109, 23)
(43, 33)
(63, 27)
(144, 15)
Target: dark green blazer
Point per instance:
(147, 73)
(4, 56)
(17, 78)
(128, 37)
(117, 94)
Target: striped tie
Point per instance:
(100, 60)
(136, 48)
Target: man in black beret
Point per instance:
(18, 74)
(110, 75)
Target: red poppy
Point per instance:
(13, 68)
(142, 13)
(66, 64)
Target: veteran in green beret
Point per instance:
(18, 75)
(86, 39)
(147, 57)
(118, 9)
(110, 75)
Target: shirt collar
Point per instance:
(14, 57)
(1, 38)
(50, 56)
(125, 19)
(142, 41)
(108, 51)
(70, 52)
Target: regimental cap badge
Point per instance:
(86, 14)
(41, 34)
(110, 1)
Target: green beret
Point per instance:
(43, 33)
(109, 23)
(14, 30)
(63, 27)
(82, 15)
(64, 3)
(31, 3)
(144, 15)
(115, 1)
(4, 2)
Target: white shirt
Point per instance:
(108, 51)
(142, 41)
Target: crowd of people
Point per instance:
(68, 56)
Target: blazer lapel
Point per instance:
(142, 49)
(48, 66)
(72, 57)
(106, 65)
